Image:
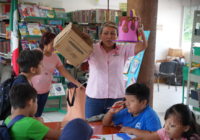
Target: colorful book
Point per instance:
(23, 28)
(50, 13)
(60, 13)
(25, 44)
(47, 28)
(20, 11)
(32, 44)
(53, 29)
(24, 10)
(36, 10)
(33, 29)
(8, 32)
(30, 10)
(42, 28)
(60, 28)
(38, 44)
(42, 13)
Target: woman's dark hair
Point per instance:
(46, 39)
(20, 94)
(140, 90)
(28, 59)
(186, 117)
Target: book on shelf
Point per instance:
(8, 32)
(23, 29)
(42, 13)
(42, 28)
(60, 13)
(30, 10)
(25, 44)
(33, 29)
(5, 10)
(4, 46)
(24, 10)
(50, 13)
(36, 10)
(3, 29)
(32, 44)
(55, 22)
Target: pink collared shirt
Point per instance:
(106, 71)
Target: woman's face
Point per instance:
(49, 47)
(108, 35)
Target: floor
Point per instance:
(162, 100)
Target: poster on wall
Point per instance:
(134, 64)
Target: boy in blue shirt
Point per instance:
(138, 118)
(23, 99)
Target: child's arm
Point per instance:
(107, 120)
(136, 132)
(53, 134)
(153, 136)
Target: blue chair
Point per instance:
(167, 69)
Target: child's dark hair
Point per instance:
(28, 59)
(186, 117)
(47, 37)
(20, 94)
(141, 91)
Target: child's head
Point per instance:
(137, 97)
(24, 96)
(30, 61)
(77, 129)
(180, 122)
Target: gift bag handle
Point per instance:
(73, 98)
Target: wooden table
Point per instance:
(98, 129)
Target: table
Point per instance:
(98, 129)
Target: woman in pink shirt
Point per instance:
(105, 84)
(180, 124)
(51, 61)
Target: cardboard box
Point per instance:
(72, 45)
(175, 52)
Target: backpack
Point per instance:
(4, 135)
(5, 107)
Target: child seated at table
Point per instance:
(180, 124)
(138, 118)
(77, 129)
(23, 99)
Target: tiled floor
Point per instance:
(162, 100)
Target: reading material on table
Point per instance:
(118, 136)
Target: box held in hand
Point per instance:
(72, 45)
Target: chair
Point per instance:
(167, 69)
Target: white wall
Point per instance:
(72, 5)
(170, 16)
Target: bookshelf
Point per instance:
(45, 21)
(5, 51)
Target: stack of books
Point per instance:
(94, 15)
(4, 46)
(38, 29)
(29, 44)
(33, 10)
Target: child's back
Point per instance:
(23, 99)
(27, 129)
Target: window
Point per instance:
(187, 26)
